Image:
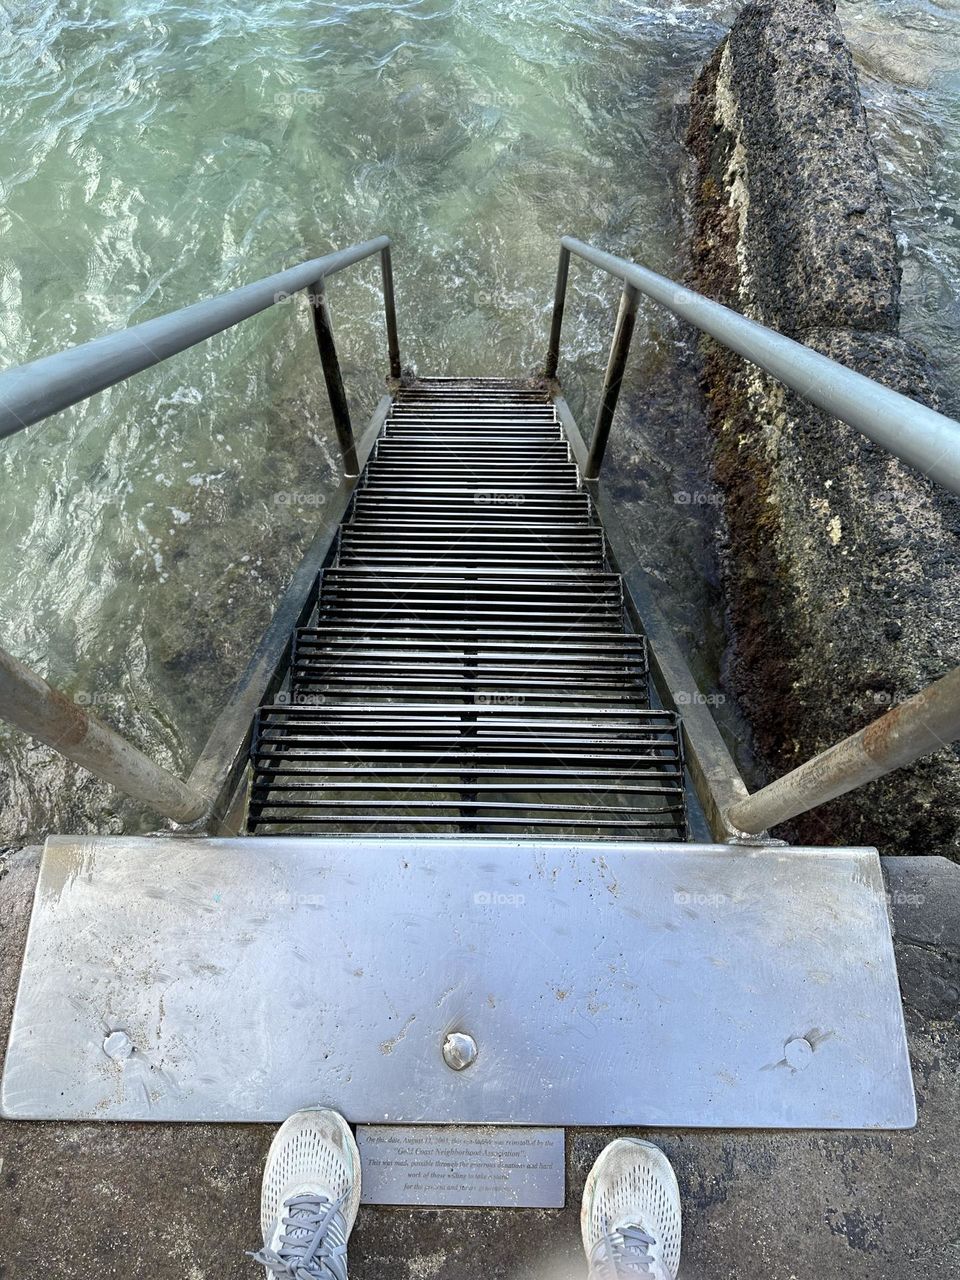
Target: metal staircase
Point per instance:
(468, 669)
(453, 704)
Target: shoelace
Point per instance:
(624, 1252)
(313, 1245)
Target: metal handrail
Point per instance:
(920, 725)
(919, 436)
(34, 391)
(912, 432)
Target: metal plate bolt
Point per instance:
(798, 1052)
(118, 1046)
(459, 1050)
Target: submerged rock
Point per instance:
(841, 564)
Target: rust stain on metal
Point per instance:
(74, 720)
(879, 737)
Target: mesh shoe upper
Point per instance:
(310, 1197)
(631, 1213)
(309, 1242)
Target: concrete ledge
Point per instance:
(925, 902)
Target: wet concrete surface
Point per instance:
(79, 1201)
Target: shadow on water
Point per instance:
(155, 153)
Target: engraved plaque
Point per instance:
(482, 1165)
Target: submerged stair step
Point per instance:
(460, 556)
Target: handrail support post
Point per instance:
(559, 300)
(27, 701)
(390, 311)
(925, 723)
(619, 350)
(323, 328)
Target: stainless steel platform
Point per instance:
(602, 983)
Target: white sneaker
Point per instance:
(310, 1197)
(630, 1217)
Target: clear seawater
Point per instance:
(907, 54)
(155, 153)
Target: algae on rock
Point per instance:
(841, 564)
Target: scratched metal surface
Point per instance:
(240, 979)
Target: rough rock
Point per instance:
(841, 565)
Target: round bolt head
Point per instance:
(798, 1053)
(118, 1046)
(459, 1050)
